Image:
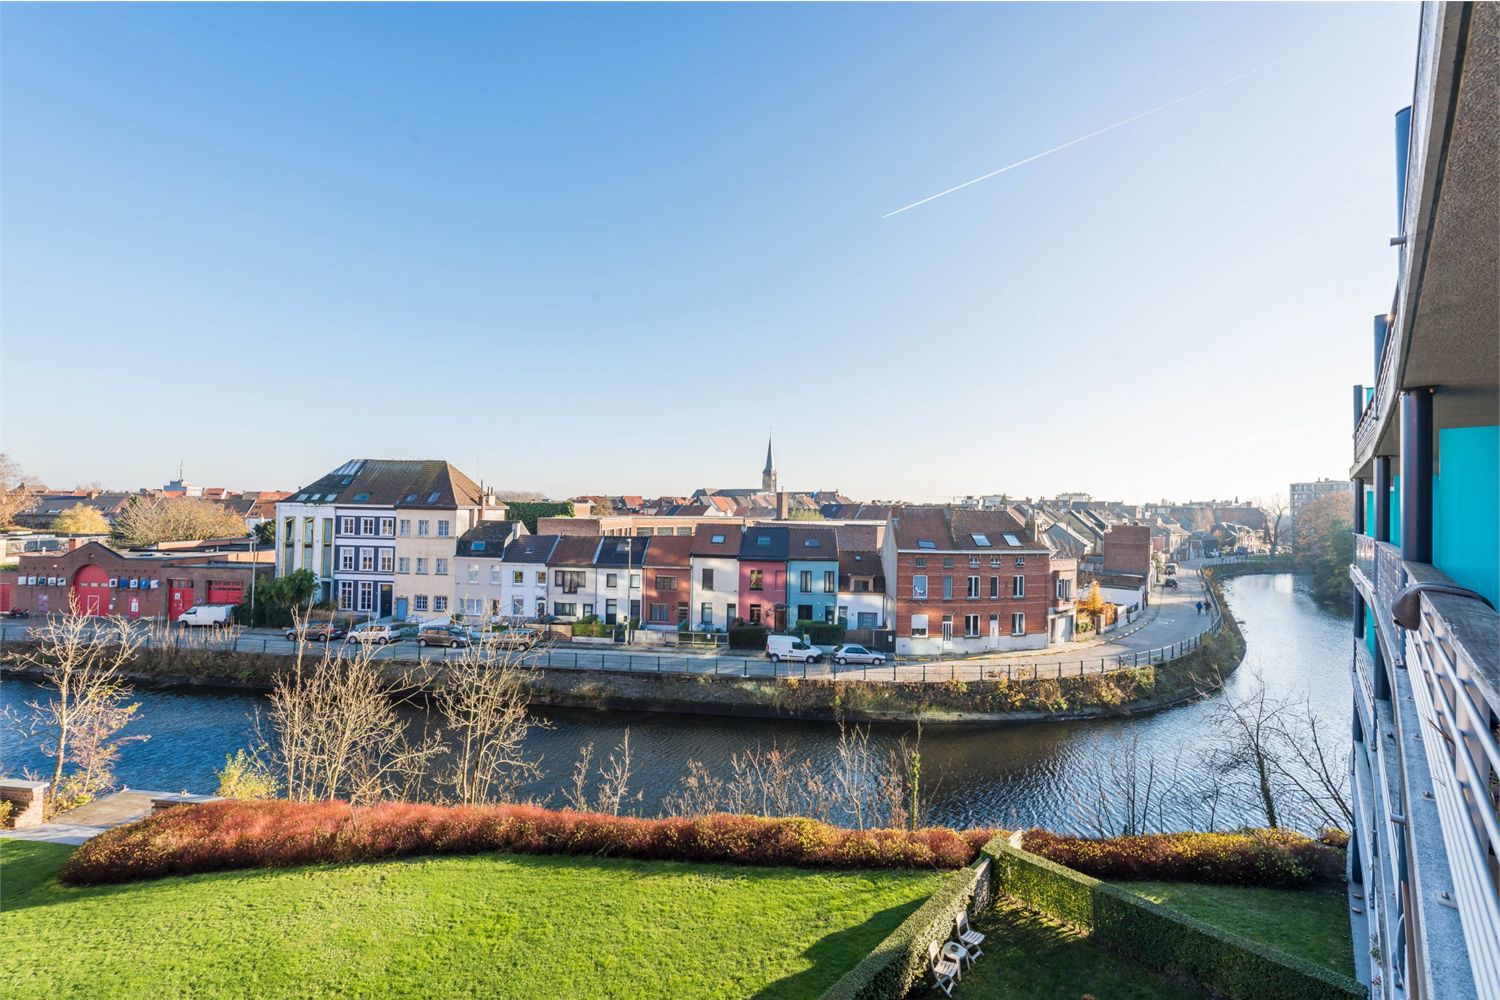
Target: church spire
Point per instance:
(768, 474)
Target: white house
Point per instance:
(523, 577)
(570, 588)
(478, 567)
(617, 578)
(715, 575)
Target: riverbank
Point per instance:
(1018, 697)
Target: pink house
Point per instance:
(763, 555)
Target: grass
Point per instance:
(489, 925)
(1029, 957)
(1308, 923)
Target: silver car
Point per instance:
(857, 654)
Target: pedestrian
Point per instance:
(1200, 607)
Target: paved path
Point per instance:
(1164, 630)
(77, 825)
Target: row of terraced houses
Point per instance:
(420, 540)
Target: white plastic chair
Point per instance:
(967, 936)
(943, 969)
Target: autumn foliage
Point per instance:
(1260, 857)
(224, 835)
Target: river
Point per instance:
(1035, 774)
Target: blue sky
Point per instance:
(603, 249)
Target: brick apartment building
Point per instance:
(966, 581)
(104, 581)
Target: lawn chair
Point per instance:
(967, 936)
(943, 969)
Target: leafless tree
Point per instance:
(1316, 767)
(1274, 511)
(481, 697)
(82, 659)
(577, 795)
(612, 791)
(338, 731)
(1250, 727)
(1130, 792)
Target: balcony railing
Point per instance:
(1364, 556)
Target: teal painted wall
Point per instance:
(1395, 510)
(1369, 512)
(1369, 630)
(1466, 508)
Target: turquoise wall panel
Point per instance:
(1466, 508)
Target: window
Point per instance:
(477, 546)
(947, 562)
(666, 582)
(1064, 592)
(1018, 623)
(367, 526)
(403, 565)
(1013, 541)
(994, 586)
(385, 560)
(588, 609)
(421, 564)
(346, 525)
(473, 573)
(366, 560)
(388, 526)
(919, 588)
(1018, 586)
(921, 562)
(918, 626)
(971, 626)
(443, 527)
(611, 579)
(994, 562)
(360, 497)
(564, 609)
(755, 614)
(517, 606)
(658, 612)
(422, 527)
(682, 611)
(947, 588)
(635, 581)
(973, 587)
(419, 602)
(404, 526)
(346, 558)
(757, 580)
(763, 540)
(861, 586)
(611, 611)
(541, 578)
(346, 595)
(973, 562)
(804, 581)
(924, 544)
(706, 613)
(867, 619)
(982, 541)
(440, 567)
(1020, 561)
(708, 580)
(518, 577)
(830, 581)
(718, 539)
(366, 595)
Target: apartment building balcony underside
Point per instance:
(1448, 311)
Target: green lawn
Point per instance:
(484, 926)
(1028, 957)
(1309, 923)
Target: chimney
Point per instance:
(781, 505)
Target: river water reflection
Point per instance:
(1016, 775)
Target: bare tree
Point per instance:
(82, 658)
(482, 699)
(338, 731)
(612, 790)
(1316, 767)
(1274, 511)
(577, 794)
(1251, 726)
(175, 519)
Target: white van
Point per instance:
(791, 648)
(207, 614)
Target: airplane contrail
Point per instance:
(1096, 133)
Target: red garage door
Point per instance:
(225, 592)
(91, 590)
(179, 598)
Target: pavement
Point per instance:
(78, 825)
(1168, 622)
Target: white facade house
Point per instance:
(304, 540)
(570, 581)
(617, 578)
(523, 577)
(862, 601)
(715, 571)
(478, 568)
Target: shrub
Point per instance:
(275, 834)
(7, 814)
(899, 962)
(1161, 938)
(1275, 858)
(821, 633)
(748, 637)
(245, 776)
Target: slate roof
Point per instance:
(773, 549)
(859, 562)
(492, 538)
(613, 550)
(575, 550)
(383, 482)
(812, 543)
(531, 549)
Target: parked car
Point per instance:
(18, 613)
(515, 638)
(1171, 569)
(206, 614)
(315, 632)
(857, 654)
(1169, 583)
(443, 635)
(378, 634)
(792, 649)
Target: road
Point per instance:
(1162, 632)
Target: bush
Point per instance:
(1161, 938)
(245, 777)
(7, 814)
(748, 637)
(900, 961)
(276, 834)
(821, 633)
(1273, 858)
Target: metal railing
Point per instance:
(1364, 555)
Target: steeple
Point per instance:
(768, 474)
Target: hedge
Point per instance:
(748, 637)
(821, 633)
(899, 963)
(225, 835)
(1263, 857)
(1162, 938)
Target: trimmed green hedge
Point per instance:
(1162, 938)
(821, 633)
(900, 961)
(748, 637)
